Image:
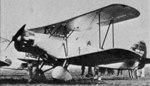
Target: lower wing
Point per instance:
(28, 60)
(35, 61)
(104, 57)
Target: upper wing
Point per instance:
(104, 57)
(115, 12)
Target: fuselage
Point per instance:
(37, 43)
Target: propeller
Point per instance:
(19, 32)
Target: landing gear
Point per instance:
(97, 76)
(61, 73)
(35, 73)
(89, 72)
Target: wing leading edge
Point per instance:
(104, 57)
(115, 12)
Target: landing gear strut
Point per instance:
(35, 73)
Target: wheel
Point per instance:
(60, 73)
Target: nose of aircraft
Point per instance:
(19, 32)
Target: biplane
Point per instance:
(50, 43)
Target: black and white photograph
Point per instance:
(74, 42)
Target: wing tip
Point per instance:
(137, 13)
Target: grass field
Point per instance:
(19, 77)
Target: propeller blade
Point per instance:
(19, 32)
(9, 44)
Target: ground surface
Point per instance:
(19, 77)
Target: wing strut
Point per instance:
(70, 34)
(66, 46)
(106, 33)
(65, 35)
(113, 38)
(52, 33)
(99, 32)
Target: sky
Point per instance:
(35, 13)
